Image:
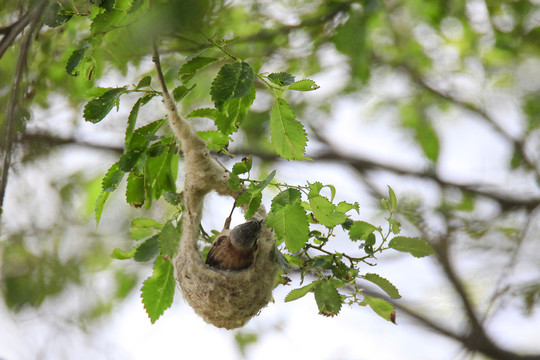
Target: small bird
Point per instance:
(235, 249)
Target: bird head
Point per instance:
(244, 236)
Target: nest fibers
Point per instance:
(226, 298)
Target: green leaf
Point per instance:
(282, 78)
(98, 108)
(291, 225)
(146, 223)
(233, 81)
(132, 119)
(112, 178)
(304, 85)
(74, 61)
(328, 298)
(289, 196)
(428, 140)
(238, 108)
(384, 284)
(223, 123)
(417, 247)
(129, 159)
(215, 140)
(252, 200)
(169, 239)
(161, 171)
(325, 212)
(288, 135)
(135, 194)
(234, 182)
(140, 138)
(344, 206)
(393, 199)
(147, 250)
(242, 166)
(296, 294)
(104, 21)
(381, 307)
(144, 82)
(254, 190)
(360, 230)
(351, 39)
(123, 255)
(157, 292)
(180, 92)
(100, 203)
(189, 69)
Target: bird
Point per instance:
(235, 249)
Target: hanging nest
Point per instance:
(223, 298)
(227, 298)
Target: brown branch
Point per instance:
(50, 140)
(13, 104)
(365, 166)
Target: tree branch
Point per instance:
(9, 133)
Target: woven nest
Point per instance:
(225, 298)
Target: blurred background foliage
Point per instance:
(418, 69)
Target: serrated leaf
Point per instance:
(223, 123)
(172, 198)
(234, 182)
(140, 137)
(129, 159)
(169, 239)
(252, 200)
(384, 284)
(296, 294)
(325, 212)
(190, 68)
(381, 307)
(157, 292)
(238, 108)
(288, 136)
(144, 82)
(74, 61)
(233, 81)
(304, 85)
(417, 247)
(290, 222)
(98, 108)
(135, 194)
(112, 178)
(123, 255)
(161, 171)
(147, 250)
(360, 230)
(282, 78)
(344, 206)
(215, 140)
(328, 298)
(132, 119)
(242, 166)
(180, 92)
(289, 196)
